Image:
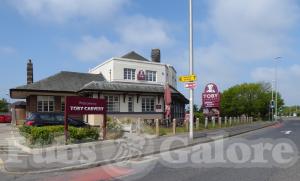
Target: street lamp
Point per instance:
(276, 86)
(191, 67)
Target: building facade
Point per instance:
(132, 85)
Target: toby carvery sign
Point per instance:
(82, 105)
(211, 96)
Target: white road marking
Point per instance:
(286, 132)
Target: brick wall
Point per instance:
(31, 102)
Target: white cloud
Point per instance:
(253, 29)
(60, 11)
(132, 33)
(287, 78)
(140, 30)
(7, 50)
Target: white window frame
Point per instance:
(113, 103)
(148, 104)
(45, 104)
(130, 103)
(62, 104)
(150, 76)
(129, 74)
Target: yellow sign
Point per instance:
(188, 78)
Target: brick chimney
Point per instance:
(155, 55)
(29, 72)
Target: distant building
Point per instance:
(132, 85)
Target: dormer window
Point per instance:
(129, 74)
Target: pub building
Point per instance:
(132, 85)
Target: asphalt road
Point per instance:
(158, 167)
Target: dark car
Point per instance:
(51, 119)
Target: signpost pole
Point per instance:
(66, 122)
(104, 126)
(191, 67)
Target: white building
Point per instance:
(132, 85)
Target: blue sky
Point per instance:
(235, 40)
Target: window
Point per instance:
(113, 103)
(45, 103)
(130, 104)
(151, 76)
(148, 104)
(129, 74)
(62, 104)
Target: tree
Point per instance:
(251, 99)
(3, 105)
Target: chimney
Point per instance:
(29, 72)
(155, 55)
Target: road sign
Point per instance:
(188, 78)
(190, 85)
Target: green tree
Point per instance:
(3, 105)
(252, 99)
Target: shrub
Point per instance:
(80, 134)
(114, 126)
(40, 135)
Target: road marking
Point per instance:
(286, 132)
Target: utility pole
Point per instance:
(272, 102)
(276, 87)
(191, 67)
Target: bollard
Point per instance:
(139, 126)
(187, 125)
(238, 120)
(131, 126)
(225, 121)
(157, 127)
(197, 123)
(230, 121)
(206, 122)
(220, 122)
(174, 126)
(213, 119)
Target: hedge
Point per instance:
(46, 135)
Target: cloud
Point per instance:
(137, 33)
(253, 29)
(60, 11)
(141, 30)
(286, 80)
(7, 50)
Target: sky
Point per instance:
(235, 41)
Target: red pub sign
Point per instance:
(211, 97)
(81, 105)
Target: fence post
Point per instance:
(174, 126)
(187, 125)
(197, 123)
(206, 122)
(225, 121)
(139, 126)
(220, 121)
(131, 126)
(157, 127)
(230, 121)
(213, 119)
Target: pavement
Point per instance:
(17, 161)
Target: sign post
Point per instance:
(82, 105)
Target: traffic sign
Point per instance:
(188, 78)
(190, 85)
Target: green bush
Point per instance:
(114, 126)
(45, 135)
(80, 134)
(41, 136)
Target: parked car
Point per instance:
(51, 119)
(5, 118)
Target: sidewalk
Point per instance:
(94, 154)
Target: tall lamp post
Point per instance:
(191, 68)
(276, 86)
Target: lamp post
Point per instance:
(276, 86)
(191, 68)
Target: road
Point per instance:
(158, 167)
